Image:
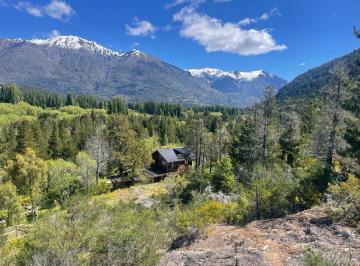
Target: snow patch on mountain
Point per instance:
(135, 52)
(76, 43)
(206, 73)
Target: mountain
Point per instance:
(72, 64)
(311, 82)
(243, 88)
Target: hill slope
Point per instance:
(309, 84)
(281, 241)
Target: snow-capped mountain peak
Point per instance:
(218, 73)
(76, 43)
(135, 52)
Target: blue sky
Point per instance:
(284, 37)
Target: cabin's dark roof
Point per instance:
(169, 155)
(187, 153)
(177, 154)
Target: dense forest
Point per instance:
(276, 158)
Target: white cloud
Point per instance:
(59, 10)
(31, 9)
(167, 28)
(272, 12)
(247, 21)
(53, 34)
(56, 9)
(263, 17)
(302, 64)
(216, 35)
(222, 1)
(4, 3)
(180, 2)
(135, 44)
(192, 3)
(141, 28)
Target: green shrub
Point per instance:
(346, 201)
(269, 195)
(101, 187)
(223, 178)
(200, 215)
(93, 233)
(313, 258)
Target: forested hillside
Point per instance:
(314, 82)
(264, 162)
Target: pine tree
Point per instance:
(24, 138)
(70, 99)
(268, 108)
(245, 146)
(54, 148)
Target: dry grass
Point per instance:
(134, 193)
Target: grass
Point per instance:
(133, 193)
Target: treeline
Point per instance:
(45, 99)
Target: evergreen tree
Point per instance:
(245, 146)
(70, 100)
(10, 94)
(24, 138)
(268, 108)
(54, 147)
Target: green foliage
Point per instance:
(91, 233)
(310, 184)
(87, 169)
(223, 178)
(101, 187)
(197, 216)
(63, 181)
(346, 201)
(270, 193)
(313, 258)
(10, 208)
(196, 183)
(244, 145)
(10, 94)
(130, 154)
(29, 174)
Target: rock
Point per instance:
(288, 238)
(307, 231)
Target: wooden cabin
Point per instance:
(173, 160)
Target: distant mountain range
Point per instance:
(243, 88)
(72, 64)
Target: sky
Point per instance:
(283, 37)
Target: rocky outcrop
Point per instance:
(281, 241)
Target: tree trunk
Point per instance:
(97, 172)
(334, 126)
(257, 202)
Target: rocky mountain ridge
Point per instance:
(72, 64)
